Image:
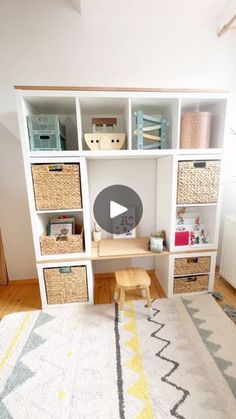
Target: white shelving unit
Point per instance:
(155, 167)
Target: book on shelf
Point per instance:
(61, 227)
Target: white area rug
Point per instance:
(81, 363)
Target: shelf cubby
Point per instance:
(43, 242)
(100, 107)
(206, 226)
(217, 108)
(167, 108)
(63, 107)
(68, 283)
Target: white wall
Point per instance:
(127, 43)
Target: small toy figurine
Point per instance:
(192, 238)
(197, 224)
(204, 238)
(180, 215)
(97, 232)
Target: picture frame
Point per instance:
(124, 225)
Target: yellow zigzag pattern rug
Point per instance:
(139, 388)
(80, 362)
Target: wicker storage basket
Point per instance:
(195, 130)
(56, 186)
(192, 265)
(198, 182)
(51, 245)
(66, 285)
(191, 284)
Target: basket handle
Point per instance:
(61, 238)
(55, 167)
(44, 137)
(192, 260)
(65, 270)
(199, 164)
(192, 279)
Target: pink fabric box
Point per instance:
(181, 238)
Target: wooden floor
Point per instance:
(24, 295)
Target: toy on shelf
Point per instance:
(152, 129)
(104, 136)
(97, 232)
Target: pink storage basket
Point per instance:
(195, 130)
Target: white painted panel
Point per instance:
(164, 196)
(162, 267)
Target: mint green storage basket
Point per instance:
(47, 142)
(46, 133)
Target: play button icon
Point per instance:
(118, 209)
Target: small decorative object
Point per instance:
(180, 215)
(153, 129)
(97, 232)
(157, 241)
(104, 136)
(195, 130)
(124, 225)
(181, 238)
(156, 244)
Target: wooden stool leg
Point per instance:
(143, 293)
(121, 305)
(116, 293)
(149, 304)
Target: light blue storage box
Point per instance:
(46, 133)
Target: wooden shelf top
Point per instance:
(118, 89)
(122, 248)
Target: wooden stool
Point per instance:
(132, 279)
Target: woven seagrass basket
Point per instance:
(195, 130)
(56, 186)
(51, 245)
(192, 265)
(66, 284)
(198, 182)
(191, 284)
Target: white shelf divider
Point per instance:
(79, 124)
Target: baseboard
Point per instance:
(104, 275)
(23, 281)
